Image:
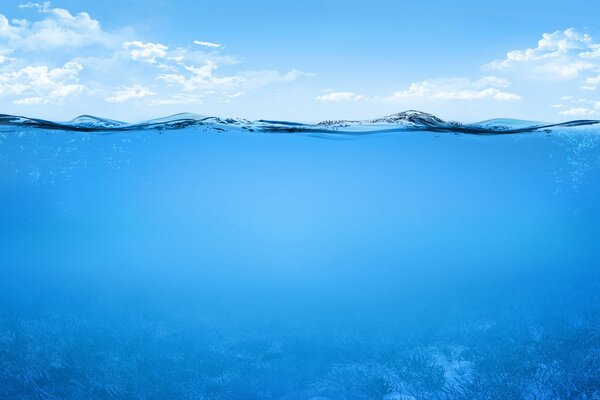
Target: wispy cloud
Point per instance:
(204, 80)
(440, 89)
(591, 83)
(125, 93)
(207, 44)
(577, 107)
(578, 112)
(340, 97)
(489, 87)
(191, 78)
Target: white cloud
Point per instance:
(62, 91)
(32, 101)
(578, 112)
(41, 84)
(593, 53)
(257, 79)
(178, 99)
(197, 78)
(41, 6)
(504, 96)
(49, 50)
(207, 44)
(580, 106)
(191, 78)
(339, 97)
(551, 45)
(59, 29)
(488, 87)
(561, 55)
(591, 83)
(147, 52)
(3, 58)
(125, 93)
(563, 70)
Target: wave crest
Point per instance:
(405, 121)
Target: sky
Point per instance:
(304, 61)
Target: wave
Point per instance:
(406, 121)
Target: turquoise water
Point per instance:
(232, 263)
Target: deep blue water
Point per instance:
(234, 263)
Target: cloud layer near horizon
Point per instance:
(59, 58)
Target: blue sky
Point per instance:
(308, 61)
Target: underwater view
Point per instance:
(399, 258)
(299, 200)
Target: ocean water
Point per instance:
(401, 258)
